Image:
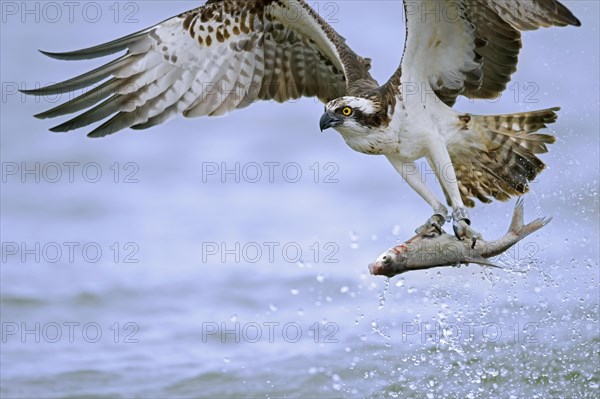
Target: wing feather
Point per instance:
(470, 47)
(236, 80)
(210, 60)
(112, 86)
(180, 84)
(79, 103)
(130, 102)
(173, 110)
(86, 79)
(99, 112)
(135, 43)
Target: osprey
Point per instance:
(227, 54)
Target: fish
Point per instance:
(435, 249)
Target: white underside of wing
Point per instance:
(439, 48)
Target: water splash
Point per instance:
(378, 330)
(382, 298)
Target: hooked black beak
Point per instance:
(328, 120)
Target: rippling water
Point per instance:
(166, 280)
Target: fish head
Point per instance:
(391, 262)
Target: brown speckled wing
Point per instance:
(211, 60)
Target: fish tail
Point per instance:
(521, 230)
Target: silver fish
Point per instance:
(431, 249)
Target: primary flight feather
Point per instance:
(227, 54)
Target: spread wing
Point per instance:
(210, 60)
(470, 47)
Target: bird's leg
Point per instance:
(411, 174)
(442, 164)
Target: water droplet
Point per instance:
(294, 291)
(272, 308)
(382, 295)
(376, 329)
(320, 278)
(344, 289)
(233, 318)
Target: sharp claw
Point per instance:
(432, 227)
(463, 231)
(430, 234)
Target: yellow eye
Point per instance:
(347, 111)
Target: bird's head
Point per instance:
(353, 115)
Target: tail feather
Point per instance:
(495, 156)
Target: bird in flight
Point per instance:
(228, 54)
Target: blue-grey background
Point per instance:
(528, 331)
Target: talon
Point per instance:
(462, 226)
(432, 227)
(463, 231)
